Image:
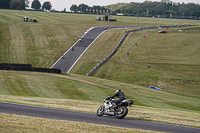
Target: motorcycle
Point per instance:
(120, 111)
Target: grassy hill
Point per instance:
(86, 94)
(173, 58)
(42, 43)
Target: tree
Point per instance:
(47, 5)
(16, 4)
(82, 7)
(153, 12)
(73, 8)
(134, 12)
(118, 11)
(197, 13)
(191, 8)
(167, 12)
(4, 4)
(64, 10)
(36, 5)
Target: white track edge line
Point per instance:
(69, 49)
(85, 51)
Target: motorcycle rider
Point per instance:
(120, 97)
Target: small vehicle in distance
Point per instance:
(98, 18)
(154, 87)
(162, 31)
(120, 111)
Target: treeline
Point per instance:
(164, 8)
(147, 8)
(82, 8)
(22, 4)
(14, 4)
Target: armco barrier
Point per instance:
(119, 44)
(27, 67)
(111, 54)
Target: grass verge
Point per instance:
(14, 123)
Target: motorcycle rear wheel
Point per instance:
(100, 111)
(121, 112)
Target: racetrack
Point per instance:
(65, 64)
(71, 57)
(58, 114)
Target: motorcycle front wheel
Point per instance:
(100, 111)
(121, 112)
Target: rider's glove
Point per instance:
(107, 98)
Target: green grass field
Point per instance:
(42, 43)
(75, 92)
(14, 123)
(174, 60)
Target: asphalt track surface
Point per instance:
(70, 57)
(49, 113)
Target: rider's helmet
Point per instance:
(117, 92)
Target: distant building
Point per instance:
(120, 14)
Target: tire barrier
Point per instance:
(126, 33)
(27, 67)
(2, 65)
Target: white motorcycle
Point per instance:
(120, 111)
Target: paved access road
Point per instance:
(70, 57)
(58, 114)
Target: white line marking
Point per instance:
(69, 49)
(85, 51)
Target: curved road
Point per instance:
(59, 114)
(71, 57)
